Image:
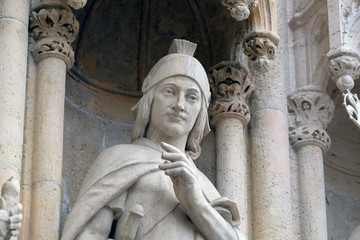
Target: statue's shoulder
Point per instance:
(125, 151)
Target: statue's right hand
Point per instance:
(4, 223)
(15, 219)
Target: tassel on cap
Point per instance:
(182, 46)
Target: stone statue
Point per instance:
(10, 211)
(151, 189)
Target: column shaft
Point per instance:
(231, 167)
(310, 111)
(48, 147)
(231, 83)
(312, 192)
(13, 57)
(271, 190)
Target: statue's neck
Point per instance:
(157, 138)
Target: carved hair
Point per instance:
(142, 111)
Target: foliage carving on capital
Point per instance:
(310, 111)
(260, 51)
(54, 22)
(53, 47)
(344, 69)
(239, 9)
(230, 84)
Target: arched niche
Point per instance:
(120, 41)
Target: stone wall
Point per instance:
(343, 215)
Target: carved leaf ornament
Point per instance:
(54, 23)
(230, 84)
(352, 106)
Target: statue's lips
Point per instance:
(176, 116)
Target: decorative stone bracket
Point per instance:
(260, 47)
(77, 4)
(230, 83)
(344, 68)
(310, 111)
(239, 9)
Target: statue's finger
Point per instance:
(17, 209)
(16, 218)
(15, 226)
(169, 148)
(14, 233)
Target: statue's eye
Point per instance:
(168, 91)
(192, 97)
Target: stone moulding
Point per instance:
(53, 47)
(310, 111)
(239, 9)
(230, 84)
(53, 23)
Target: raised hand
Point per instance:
(183, 174)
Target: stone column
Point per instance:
(270, 161)
(52, 28)
(230, 84)
(13, 57)
(310, 111)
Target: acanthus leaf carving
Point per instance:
(309, 112)
(239, 9)
(53, 47)
(54, 23)
(230, 84)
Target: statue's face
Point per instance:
(176, 105)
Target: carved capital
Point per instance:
(344, 68)
(53, 47)
(260, 48)
(230, 84)
(239, 9)
(77, 4)
(50, 23)
(310, 111)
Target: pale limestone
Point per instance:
(45, 209)
(271, 191)
(231, 83)
(10, 210)
(177, 102)
(13, 55)
(231, 165)
(17, 10)
(46, 174)
(312, 192)
(310, 111)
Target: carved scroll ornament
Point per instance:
(352, 106)
(230, 84)
(310, 111)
